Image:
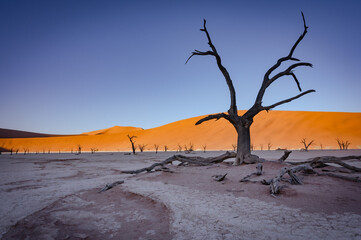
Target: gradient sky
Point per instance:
(74, 66)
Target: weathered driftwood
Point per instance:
(275, 183)
(219, 178)
(259, 171)
(109, 186)
(285, 156)
(199, 161)
(319, 162)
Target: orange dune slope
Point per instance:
(282, 129)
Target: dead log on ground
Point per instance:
(275, 183)
(219, 178)
(319, 162)
(199, 161)
(109, 186)
(257, 173)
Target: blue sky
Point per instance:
(75, 66)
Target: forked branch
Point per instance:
(213, 116)
(233, 107)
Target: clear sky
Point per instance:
(74, 66)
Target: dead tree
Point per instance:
(261, 145)
(234, 146)
(165, 148)
(179, 148)
(156, 146)
(269, 145)
(243, 123)
(189, 149)
(79, 149)
(285, 156)
(131, 139)
(306, 144)
(204, 147)
(343, 145)
(93, 150)
(141, 147)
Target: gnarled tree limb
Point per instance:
(200, 161)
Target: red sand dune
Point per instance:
(283, 129)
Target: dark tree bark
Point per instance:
(243, 123)
(132, 142)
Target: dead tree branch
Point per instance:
(109, 186)
(285, 156)
(199, 161)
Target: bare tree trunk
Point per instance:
(244, 147)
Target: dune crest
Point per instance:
(281, 129)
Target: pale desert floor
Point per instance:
(55, 196)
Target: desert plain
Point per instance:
(55, 194)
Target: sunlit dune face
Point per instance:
(278, 129)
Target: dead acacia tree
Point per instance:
(306, 144)
(269, 145)
(156, 146)
(141, 147)
(343, 145)
(204, 147)
(243, 123)
(165, 148)
(131, 139)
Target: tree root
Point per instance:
(199, 161)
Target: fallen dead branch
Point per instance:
(199, 161)
(275, 183)
(319, 162)
(109, 186)
(219, 178)
(259, 171)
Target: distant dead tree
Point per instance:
(234, 146)
(79, 149)
(26, 150)
(165, 148)
(306, 144)
(93, 150)
(343, 145)
(261, 145)
(189, 148)
(204, 147)
(321, 146)
(131, 139)
(269, 145)
(141, 147)
(11, 151)
(16, 151)
(179, 148)
(252, 147)
(243, 123)
(156, 147)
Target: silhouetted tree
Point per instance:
(306, 144)
(93, 150)
(343, 144)
(243, 123)
(16, 151)
(156, 147)
(165, 148)
(131, 139)
(141, 147)
(269, 145)
(189, 148)
(79, 149)
(234, 146)
(261, 145)
(204, 147)
(179, 149)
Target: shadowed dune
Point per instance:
(283, 129)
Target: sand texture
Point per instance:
(55, 196)
(283, 129)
